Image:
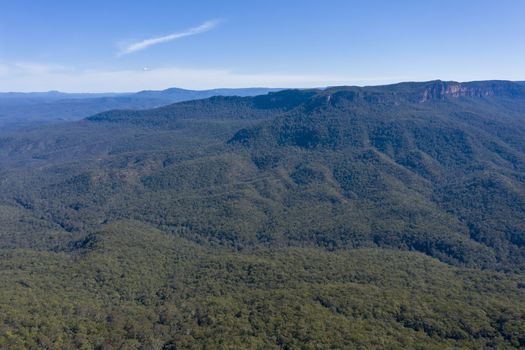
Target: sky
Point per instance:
(124, 46)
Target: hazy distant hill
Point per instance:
(348, 217)
(30, 109)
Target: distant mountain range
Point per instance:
(36, 108)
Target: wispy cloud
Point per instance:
(141, 45)
(37, 68)
(44, 77)
(22, 70)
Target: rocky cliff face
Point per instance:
(441, 90)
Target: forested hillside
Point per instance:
(131, 286)
(356, 218)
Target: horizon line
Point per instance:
(251, 87)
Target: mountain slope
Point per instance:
(456, 153)
(434, 167)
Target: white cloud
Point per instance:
(44, 77)
(141, 45)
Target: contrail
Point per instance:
(141, 45)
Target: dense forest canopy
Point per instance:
(384, 217)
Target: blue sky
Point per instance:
(134, 45)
